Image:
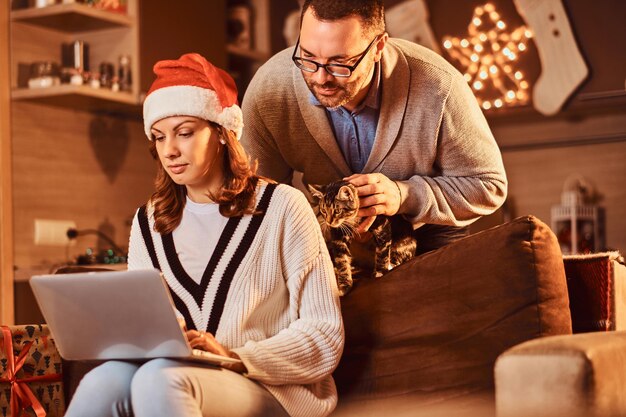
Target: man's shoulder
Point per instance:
(277, 70)
(420, 57)
(274, 78)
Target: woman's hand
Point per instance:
(205, 341)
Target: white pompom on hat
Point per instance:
(192, 86)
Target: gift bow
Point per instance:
(22, 396)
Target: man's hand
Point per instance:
(377, 195)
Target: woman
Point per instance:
(245, 263)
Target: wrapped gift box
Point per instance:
(30, 373)
(597, 291)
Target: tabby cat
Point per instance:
(337, 205)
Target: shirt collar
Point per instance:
(371, 100)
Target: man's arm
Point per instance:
(471, 181)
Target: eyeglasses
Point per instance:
(336, 70)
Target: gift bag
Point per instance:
(30, 373)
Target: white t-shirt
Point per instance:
(197, 235)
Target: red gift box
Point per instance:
(596, 285)
(30, 373)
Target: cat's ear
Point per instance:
(344, 194)
(315, 191)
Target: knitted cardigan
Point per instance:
(432, 136)
(269, 294)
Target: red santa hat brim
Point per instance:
(188, 100)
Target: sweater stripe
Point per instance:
(198, 291)
(235, 261)
(147, 238)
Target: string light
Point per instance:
(488, 55)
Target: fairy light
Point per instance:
(488, 55)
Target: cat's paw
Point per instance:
(343, 290)
(378, 274)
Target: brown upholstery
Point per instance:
(433, 327)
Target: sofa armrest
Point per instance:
(574, 375)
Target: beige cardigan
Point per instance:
(431, 136)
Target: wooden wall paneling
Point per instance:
(564, 131)
(6, 202)
(73, 165)
(536, 178)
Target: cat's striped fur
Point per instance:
(337, 206)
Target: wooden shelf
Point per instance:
(82, 97)
(71, 18)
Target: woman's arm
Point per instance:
(309, 349)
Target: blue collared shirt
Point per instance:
(355, 131)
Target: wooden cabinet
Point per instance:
(264, 22)
(150, 31)
(38, 33)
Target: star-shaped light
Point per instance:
(488, 56)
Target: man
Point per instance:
(392, 117)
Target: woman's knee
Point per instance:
(104, 391)
(112, 376)
(157, 375)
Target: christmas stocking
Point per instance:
(562, 66)
(409, 20)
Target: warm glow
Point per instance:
(489, 57)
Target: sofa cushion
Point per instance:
(433, 327)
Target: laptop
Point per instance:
(115, 315)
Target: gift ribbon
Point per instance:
(22, 397)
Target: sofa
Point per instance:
(428, 333)
(424, 339)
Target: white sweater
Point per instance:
(269, 294)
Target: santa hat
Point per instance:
(192, 86)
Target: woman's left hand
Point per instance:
(206, 341)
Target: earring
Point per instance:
(222, 141)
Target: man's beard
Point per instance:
(342, 96)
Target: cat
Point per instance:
(337, 206)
